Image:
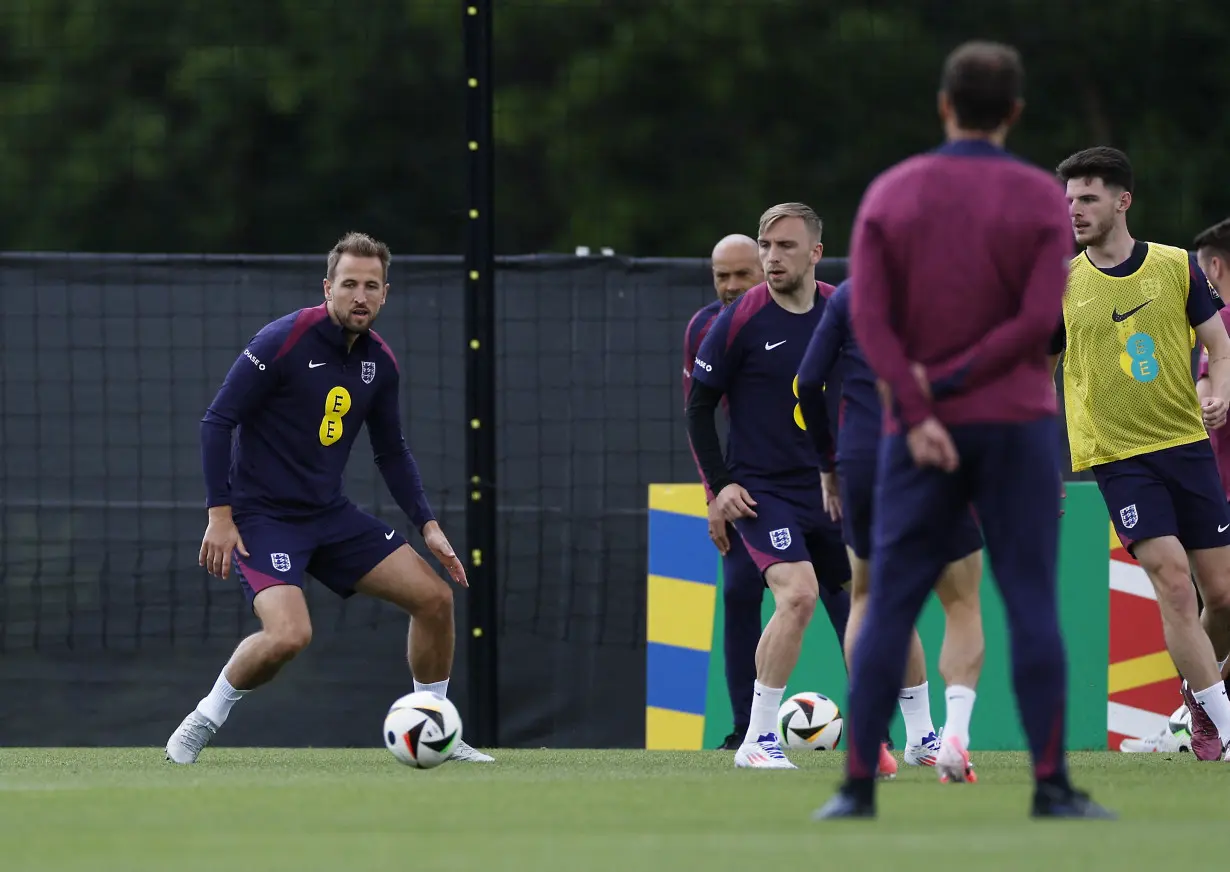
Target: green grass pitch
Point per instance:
(276, 810)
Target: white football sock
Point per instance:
(960, 701)
(1217, 706)
(915, 703)
(439, 688)
(765, 703)
(217, 706)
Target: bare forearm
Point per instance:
(1219, 377)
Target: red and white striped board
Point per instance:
(1142, 686)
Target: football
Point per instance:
(810, 721)
(422, 729)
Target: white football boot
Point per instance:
(1173, 738)
(465, 754)
(924, 753)
(1164, 742)
(193, 735)
(952, 763)
(764, 753)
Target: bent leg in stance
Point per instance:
(1205, 638)
(795, 591)
(400, 577)
(407, 581)
(286, 629)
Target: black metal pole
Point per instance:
(482, 720)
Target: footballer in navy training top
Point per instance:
(859, 425)
(736, 270)
(767, 483)
(294, 402)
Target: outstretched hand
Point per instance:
(831, 491)
(220, 543)
(717, 529)
(437, 542)
(734, 502)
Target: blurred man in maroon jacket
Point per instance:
(959, 262)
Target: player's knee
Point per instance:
(798, 599)
(435, 604)
(960, 606)
(1175, 590)
(1166, 565)
(1217, 599)
(287, 639)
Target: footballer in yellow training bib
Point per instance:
(1127, 379)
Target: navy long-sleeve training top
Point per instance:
(278, 434)
(833, 347)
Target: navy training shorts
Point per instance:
(336, 547)
(791, 527)
(1173, 492)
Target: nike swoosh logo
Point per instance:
(768, 347)
(389, 535)
(1082, 303)
(1221, 529)
(1116, 317)
(314, 365)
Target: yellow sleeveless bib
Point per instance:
(1127, 378)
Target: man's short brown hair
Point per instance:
(359, 245)
(792, 210)
(1216, 238)
(1100, 162)
(983, 81)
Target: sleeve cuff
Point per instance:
(421, 522)
(914, 407)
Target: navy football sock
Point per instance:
(741, 636)
(838, 607)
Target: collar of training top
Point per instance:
(971, 148)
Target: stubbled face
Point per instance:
(788, 255)
(1093, 209)
(356, 292)
(735, 271)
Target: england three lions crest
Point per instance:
(1128, 516)
(280, 561)
(368, 372)
(780, 539)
